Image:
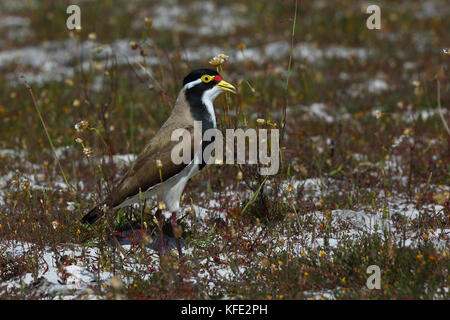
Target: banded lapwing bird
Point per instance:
(154, 173)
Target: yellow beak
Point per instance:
(225, 86)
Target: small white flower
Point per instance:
(70, 206)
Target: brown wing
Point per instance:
(144, 173)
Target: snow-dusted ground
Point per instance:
(58, 60)
(65, 272)
(55, 60)
(76, 279)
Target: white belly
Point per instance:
(169, 191)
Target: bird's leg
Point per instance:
(160, 218)
(176, 233)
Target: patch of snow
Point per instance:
(312, 54)
(374, 86)
(14, 21)
(58, 280)
(10, 153)
(318, 110)
(274, 50)
(411, 116)
(377, 85)
(172, 16)
(55, 59)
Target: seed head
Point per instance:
(241, 46)
(161, 205)
(260, 121)
(320, 203)
(218, 60)
(87, 151)
(407, 131)
(378, 114)
(148, 22)
(134, 45)
(82, 125)
(115, 282)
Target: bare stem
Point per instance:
(441, 113)
(47, 133)
(283, 124)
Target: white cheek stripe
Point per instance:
(192, 83)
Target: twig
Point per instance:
(283, 124)
(441, 113)
(30, 90)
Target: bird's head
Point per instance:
(207, 84)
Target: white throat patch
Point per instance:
(208, 98)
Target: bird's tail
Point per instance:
(94, 214)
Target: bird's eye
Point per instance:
(206, 78)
